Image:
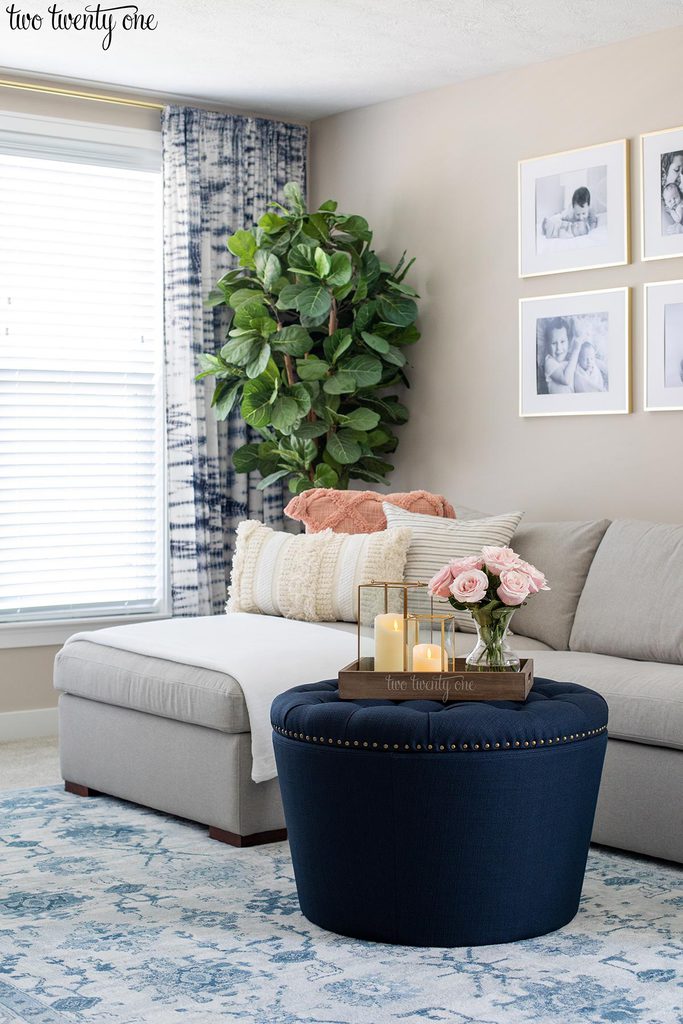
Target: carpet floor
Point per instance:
(29, 763)
(113, 914)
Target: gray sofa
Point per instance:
(613, 621)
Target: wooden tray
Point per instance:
(359, 681)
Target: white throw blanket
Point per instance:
(264, 654)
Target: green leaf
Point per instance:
(322, 262)
(241, 350)
(297, 484)
(302, 260)
(314, 301)
(367, 370)
(371, 267)
(325, 476)
(356, 227)
(246, 458)
(342, 383)
(309, 430)
(398, 311)
(365, 314)
(300, 394)
(289, 293)
(209, 363)
(375, 342)
(241, 295)
(294, 340)
(361, 419)
(249, 314)
(259, 361)
(340, 270)
(243, 245)
(256, 403)
(364, 474)
(389, 408)
(268, 268)
(404, 289)
(377, 466)
(271, 223)
(224, 398)
(343, 447)
(394, 356)
(216, 297)
(272, 478)
(312, 368)
(329, 206)
(284, 414)
(293, 197)
(407, 337)
(336, 344)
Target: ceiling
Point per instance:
(306, 59)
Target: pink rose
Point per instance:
(470, 586)
(537, 580)
(459, 565)
(514, 588)
(499, 559)
(440, 585)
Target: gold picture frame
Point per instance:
(654, 244)
(658, 394)
(605, 316)
(562, 174)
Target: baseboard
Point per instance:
(28, 725)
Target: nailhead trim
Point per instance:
(517, 744)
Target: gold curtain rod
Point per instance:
(53, 90)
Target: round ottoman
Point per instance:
(427, 824)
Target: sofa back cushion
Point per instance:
(323, 508)
(437, 541)
(632, 603)
(564, 552)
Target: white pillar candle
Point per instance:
(388, 642)
(427, 658)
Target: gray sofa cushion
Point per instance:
(166, 688)
(564, 552)
(645, 699)
(632, 603)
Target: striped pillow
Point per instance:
(437, 541)
(311, 576)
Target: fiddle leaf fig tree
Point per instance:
(319, 328)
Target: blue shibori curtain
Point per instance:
(220, 171)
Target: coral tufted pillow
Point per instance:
(323, 508)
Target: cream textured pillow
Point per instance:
(437, 541)
(312, 576)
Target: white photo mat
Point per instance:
(664, 346)
(598, 319)
(661, 237)
(604, 169)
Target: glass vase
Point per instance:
(492, 652)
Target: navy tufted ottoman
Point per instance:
(440, 825)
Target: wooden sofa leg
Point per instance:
(277, 835)
(75, 787)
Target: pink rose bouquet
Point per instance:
(490, 586)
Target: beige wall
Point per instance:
(437, 174)
(26, 672)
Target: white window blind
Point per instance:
(81, 418)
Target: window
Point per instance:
(81, 405)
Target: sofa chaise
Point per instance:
(172, 731)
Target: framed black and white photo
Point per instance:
(664, 346)
(661, 182)
(573, 210)
(574, 354)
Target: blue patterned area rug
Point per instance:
(112, 914)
